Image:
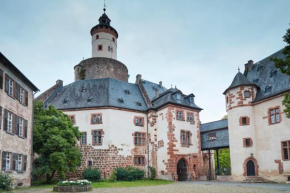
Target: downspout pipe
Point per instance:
(32, 128)
(147, 147)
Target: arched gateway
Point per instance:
(182, 170)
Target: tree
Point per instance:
(54, 142)
(224, 161)
(284, 66)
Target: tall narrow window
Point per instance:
(97, 137)
(97, 36)
(185, 138)
(113, 39)
(19, 162)
(140, 139)
(9, 122)
(6, 158)
(100, 47)
(179, 115)
(286, 150)
(20, 128)
(110, 49)
(10, 86)
(84, 138)
(21, 95)
(190, 117)
(73, 119)
(90, 163)
(275, 116)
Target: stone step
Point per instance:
(254, 179)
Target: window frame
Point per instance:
(212, 136)
(82, 137)
(249, 94)
(179, 115)
(99, 135)
(185, 138)
(140, 122)
(100, 47)
(274, 109)
(287, 149)
(242, 123)
(9, 127)
(141, 161)
(72, 118)
(139, 138)
(245, 142)
(192, 117)
(97, 122)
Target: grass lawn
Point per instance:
(107, 184)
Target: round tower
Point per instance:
(104, 38)
(242, 135)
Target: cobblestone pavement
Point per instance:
(186, 187)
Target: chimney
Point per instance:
(160, 83)
(59, 82)
(249, 65)
(138, 78)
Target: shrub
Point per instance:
(113, 176)
(92, 174)
(129, 174)
(152, 172)
(5, 182)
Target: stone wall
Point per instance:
(94, 68)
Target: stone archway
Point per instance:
(182, 170)
(251, 167)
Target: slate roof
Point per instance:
(221, 124)
(270, 79)
(239, 80)
(170, 96)
(106, 92)
(150, 88)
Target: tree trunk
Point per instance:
(49, 177)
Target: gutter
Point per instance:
(147, 148)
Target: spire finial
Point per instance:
(239, 69)
(105, 6)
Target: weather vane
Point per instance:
(105, 6)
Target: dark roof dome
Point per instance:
(104, 20)
(240, 80)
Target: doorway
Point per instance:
(182, 170)
(250, 168)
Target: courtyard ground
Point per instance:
(186, 187)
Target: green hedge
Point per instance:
(92, 174)
(129, 174)
(5, 182)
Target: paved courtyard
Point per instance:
(185, 187)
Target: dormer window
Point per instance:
(90, 99)
(139, 103)
(259, 67)
(65, 100)
(121, 100)
(178, 97)
(127, 91)
(256, 80)
(268, 88)
(273, 72)
(84, 89)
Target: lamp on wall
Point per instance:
(252, 155)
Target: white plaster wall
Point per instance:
(118, 127)
(232, 102)
(12, 143)
(238, 153)
(269, 139)
(106, 39)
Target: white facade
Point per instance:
(104, 45)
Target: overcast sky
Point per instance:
(194, 45)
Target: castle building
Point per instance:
(259, 131)
(16, 122)
(128, 124)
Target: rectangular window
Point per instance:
(248, 142)
(100, 47)
(6, 160)
(179, 115)
(110, 49)
(139, 121)
(20, 128)
(21, 95)
(10, 86)
(139, 160)
(97, 137)
(90, 163)
(190, 117)
(185, 138)
(244, 120)
(84, 138)
(247, 94)
(1, 79)
(19, 163)
(96, 119)
(211, 136)
(275, 116)
(9, 122)
(140, 139)
(286, 150)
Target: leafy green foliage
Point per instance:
(129, 174)
(5, 182)
(113, 176)
(92, 174)
(224, 161)
(284, 66)
(152, 172)
(54, 140)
